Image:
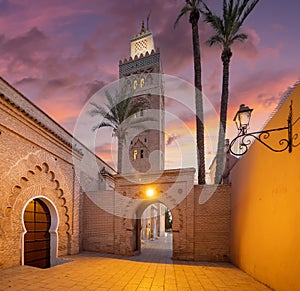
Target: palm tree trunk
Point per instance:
(120, 154)
(199, 103)
(220, 160)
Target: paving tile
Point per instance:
(152, 270)
(131, 287)
(157, 288)
(170, 287)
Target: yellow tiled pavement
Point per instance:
(152, 270)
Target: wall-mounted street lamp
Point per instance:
(245, 139)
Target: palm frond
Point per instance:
(248, 10)
(241, 8)
(183, 11)
(215, 39)
(118, 113)
(103, 124)
(225, 12)
(242, 15)
(98, 110)
(214, 20)
(240, 37)
(109, 98)
(228, 18)
(230, 8)
(135, 108)
(190, 6)
(103, 112)
(234, 14)
(104, 115)
(123, 108)
(234, 11)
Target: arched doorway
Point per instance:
(154, 228)
(37, 221)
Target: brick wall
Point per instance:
(37, 160)
(97, 224)
(201, 218)
(32, 165)
(212, 222)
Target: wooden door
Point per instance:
(37, 221)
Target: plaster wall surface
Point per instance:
(265, 241)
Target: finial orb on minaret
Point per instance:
(143, 30)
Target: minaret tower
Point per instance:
(144, 150)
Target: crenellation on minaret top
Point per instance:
(147, 54)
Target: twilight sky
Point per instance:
(59, 52)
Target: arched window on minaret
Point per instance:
(128, 85)
(149, 80)
(135, 154)
(142, 154)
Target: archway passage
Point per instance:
(37, 220)
(156, 233)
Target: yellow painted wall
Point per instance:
(265, 239)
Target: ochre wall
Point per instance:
(265, 240)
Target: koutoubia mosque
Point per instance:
(53, 203)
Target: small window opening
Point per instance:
(135, 154)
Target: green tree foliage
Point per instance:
(119, 113)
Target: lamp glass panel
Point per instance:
(244, 119)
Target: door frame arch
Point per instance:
(52, 230)
(139, 212)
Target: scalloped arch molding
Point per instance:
(37, 174)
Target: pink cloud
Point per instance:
(58, 53)
(252, 50)
(171, 139)
(277, 27)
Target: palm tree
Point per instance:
(119, 114)
(193, 8)
(227, 31)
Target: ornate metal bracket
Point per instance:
(244, 139)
